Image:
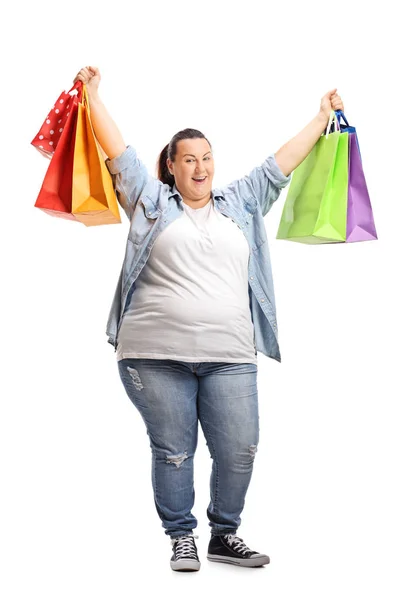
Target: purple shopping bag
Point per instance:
(360, 220)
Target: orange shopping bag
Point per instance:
(94, 201)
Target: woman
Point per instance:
(193, 304)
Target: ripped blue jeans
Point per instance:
(172, 397)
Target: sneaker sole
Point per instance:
(255, 561)
(185, 565)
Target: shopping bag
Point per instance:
(55, 196)
(315, 210)
(360, 219)
(94, 201)
(48, 136)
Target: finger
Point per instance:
(85, 75)
(93, 71)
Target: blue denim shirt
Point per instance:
(151, 206)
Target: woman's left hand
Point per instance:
(331, 101)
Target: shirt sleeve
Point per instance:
(268, 181)
(129, 177)
(265, 182)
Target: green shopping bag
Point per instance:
(315, 210)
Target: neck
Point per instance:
(197, 203)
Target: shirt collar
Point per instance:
(216, 192)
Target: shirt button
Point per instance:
(262, 299)
(251, 277)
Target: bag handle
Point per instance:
(340, 114)
(333, 117)
(85, 98)
(336, 116)
(77, 86)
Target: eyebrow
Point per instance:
(209, 152)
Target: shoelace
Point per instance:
(185, 547)
(237, 543)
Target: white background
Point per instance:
(77, 513)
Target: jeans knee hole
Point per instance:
(177, 460)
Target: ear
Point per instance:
(169, 165)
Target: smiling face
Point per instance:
(193, 160)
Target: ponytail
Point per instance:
(163, 173)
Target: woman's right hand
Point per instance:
(90, 76)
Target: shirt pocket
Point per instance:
(143, 220)
(250, 204)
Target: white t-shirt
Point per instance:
(191, 301)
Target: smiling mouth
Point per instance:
(199, 182)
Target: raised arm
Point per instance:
(106, 131)
(129, 174)
(298, 148)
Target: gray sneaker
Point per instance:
(231, 549)
(184, 553)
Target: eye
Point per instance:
(191, 159)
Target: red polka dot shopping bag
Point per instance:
(55, 196)
(77, 185)
(48, 136)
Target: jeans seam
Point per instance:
(216, 498)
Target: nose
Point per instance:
(199, 170)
